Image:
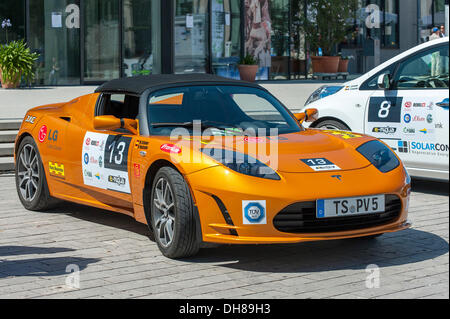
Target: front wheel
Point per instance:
(172, 215)
(332, 125)
(31, 183)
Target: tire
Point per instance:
(31, 183)
(332, 125)
(172, 215)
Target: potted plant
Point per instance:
(248, 67)
(327, 24)
(343, 63)
(16, 61)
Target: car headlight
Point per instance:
(241, 163)
(322, 92)
(379, 155)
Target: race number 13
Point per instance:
(116, 152)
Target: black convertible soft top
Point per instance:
(137, 85)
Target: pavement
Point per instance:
(79, 252)
(15, 103)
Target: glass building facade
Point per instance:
(92, 41)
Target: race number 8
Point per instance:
(384, 110)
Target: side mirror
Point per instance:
(384, 81)
(310, 115)
(111, 123)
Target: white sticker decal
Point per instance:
(320, 164)
(254, 212)
(105, 161)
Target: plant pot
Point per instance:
(343, 65)
(248, 72)
(325, 64)
(12, 84)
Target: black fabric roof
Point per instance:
(137, 85)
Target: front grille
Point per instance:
(301, 218)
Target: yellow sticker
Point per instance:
(56, 170)
(343, 134)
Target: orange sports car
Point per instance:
(203, 159)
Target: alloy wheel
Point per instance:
(164, 214)
(28, 172)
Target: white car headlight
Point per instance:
(322, 92)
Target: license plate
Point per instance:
(351, 206)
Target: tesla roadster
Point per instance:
(203, 159)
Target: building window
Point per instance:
(54, 33)
(431, 13)
(280, 50)
(141, 37)
(101, 34)
(14, 11)
(191, 36)
(374, 19)
(225, 37)
(258, 33)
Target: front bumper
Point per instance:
(223, 221)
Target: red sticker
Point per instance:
(170, 148)
(253, 139)
(42, 133)
(137, 170)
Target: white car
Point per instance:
(403, 102)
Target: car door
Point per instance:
(101, 162)
(412, 116)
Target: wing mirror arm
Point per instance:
(111, 123)
(130, 125)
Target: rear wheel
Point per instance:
(332, 125)
(172, 215)
(31, 183)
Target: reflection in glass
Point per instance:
(390, 36)
(279, 10)
(191, 36)
(225, 37)
(141, 19)
(55, 35)
(101, 40)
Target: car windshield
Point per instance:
(225, 110)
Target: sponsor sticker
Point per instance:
(42, 133)
(141, 145)
(320, 164)
(254, 139)
(105, 161)
(385, 129)
(407, 118)
(343, 134)
(137, 170)
(170, 148)
(254, 212)
(56, 170)
(30, 119)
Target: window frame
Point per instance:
(396, 65)
(411, 57)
